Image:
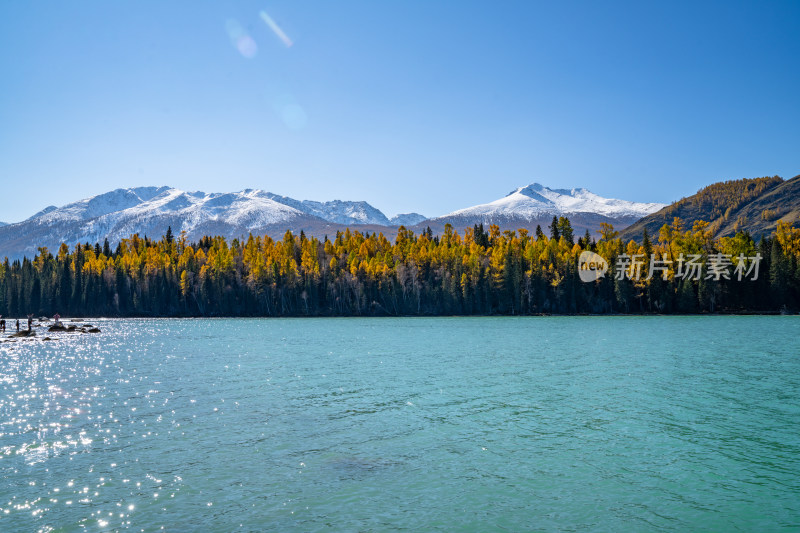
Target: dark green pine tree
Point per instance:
(624, 294)
(565, 229)
(4, 288)
(779, 274)
(687, 300)
(13, 290)
(554, 229)
(64, 288)
(480, 236)
(647, 245)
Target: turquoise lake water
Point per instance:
(451, 424)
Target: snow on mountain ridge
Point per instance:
(250, 209)
(338, 211)
(536, 200)
(163, 206)
(119, 213)
(252, 205)
(254, 208)
(407, 219)
(102, 204)
(44, 211)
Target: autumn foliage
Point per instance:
(355, 273)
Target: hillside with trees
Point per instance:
(479, 271)
(753, 205)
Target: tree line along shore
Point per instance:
(480, 271)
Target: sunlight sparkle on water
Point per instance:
(370, 423)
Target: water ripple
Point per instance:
(567, 423)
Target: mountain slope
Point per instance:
(336, 211)
(527, 207)
(117, 214)
(149, 211)
(96, 206)
(755, 205)
(407, 219)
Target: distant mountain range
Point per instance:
(150, 210)
(527, 207)
(754, 205)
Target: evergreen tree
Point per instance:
(554, 229)
(367, 274)
(647, 245)
(687, 300)
(779, 274)
(565, 229)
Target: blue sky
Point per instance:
(409, 105)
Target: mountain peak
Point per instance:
(534, 190)
(99, 205)
(117, 214)
(536, 201)
(537, 189)
(407, 219)
(48, 209)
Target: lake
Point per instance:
(457, 424)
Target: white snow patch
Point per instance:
(535, 201)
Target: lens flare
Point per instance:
(276, 29)
(240, 39)
(294, 116)
(291, 113)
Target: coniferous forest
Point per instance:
(480, 271)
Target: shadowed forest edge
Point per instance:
(364, 274)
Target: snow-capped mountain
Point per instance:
(527, 207)
(337, 211)
(536, 200)
(150, 210)
(97, 206)
(259, 206)
(407, 219)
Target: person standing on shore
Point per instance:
(18, 325)
(30, 322)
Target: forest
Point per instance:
(726, 196)
(481, 271)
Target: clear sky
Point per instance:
(425, 106)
